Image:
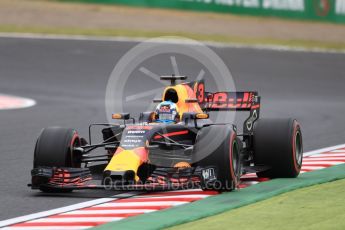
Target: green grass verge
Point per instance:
(317, 207)
(150, 34)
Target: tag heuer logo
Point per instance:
(208, 174)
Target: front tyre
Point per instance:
(278, 144)
(223, 155)
(54, 148)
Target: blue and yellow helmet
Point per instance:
(166, 112)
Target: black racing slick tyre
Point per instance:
(278, 145)
(54, 148)
(217, 148)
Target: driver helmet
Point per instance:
(166, 112)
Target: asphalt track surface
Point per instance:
(68, 78)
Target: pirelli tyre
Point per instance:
(54, 148)
(278, 145)
(217, 153)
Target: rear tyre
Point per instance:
(224, 156)
(54, 148)
(278, 145)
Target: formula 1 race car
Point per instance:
(160, 152)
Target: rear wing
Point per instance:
(235, 101)
(231, 101)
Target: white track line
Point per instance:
(306, 163)
(61, 210)
(167, 40)
(315, 159)
(79, 219)
(328, 149)
(326, 155)
(250, 182)
(312, 167)
(149, 203)
(338, 151)
(120, 211)
(10, 102)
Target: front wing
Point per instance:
(81, 178)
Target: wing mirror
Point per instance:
(120, 116)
